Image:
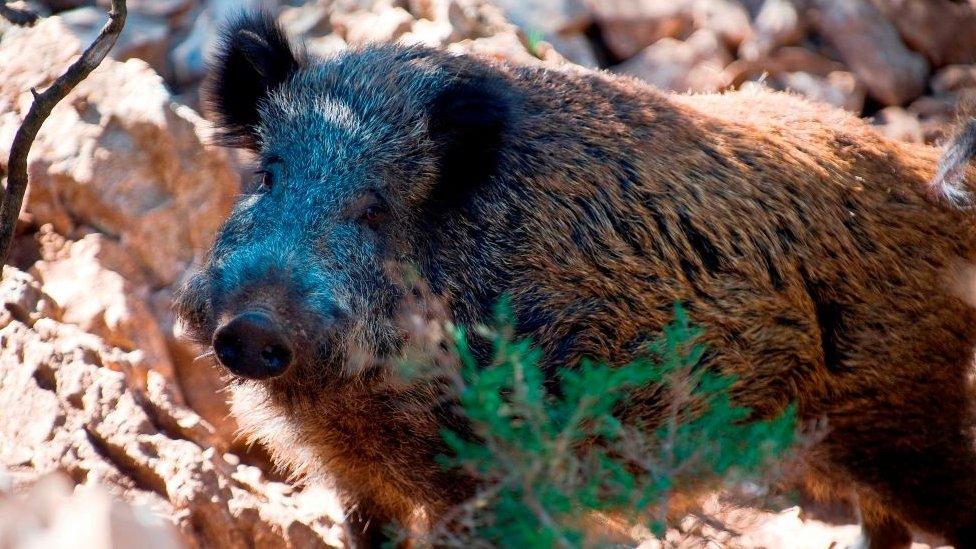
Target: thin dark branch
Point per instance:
(22, 17)
(40, 109)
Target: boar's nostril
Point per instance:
(253, 345)
(276, 356)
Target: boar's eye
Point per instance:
(374, 211)
(263, 180)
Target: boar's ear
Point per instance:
(469, 121)
(253, 58)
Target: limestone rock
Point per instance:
(547, 16)
(873, 50)
(559, 22)
(778, 23)
(311, 19)
(59, 5)
(25, 300)
(629, 26)
(118, 154)
(189, 57)
(783, 60)
(728, 19)
(53, 515)
(155, 8)
(695, 65)
(939, 115)
(506, 46)
(898, 123)
(326, 46)
(144, 36)
(96, 285)
(941, 30)
(954, 78)
(71, 405)
(838, 88)
(365, 27)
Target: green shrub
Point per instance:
(548, 458)
(533, 37)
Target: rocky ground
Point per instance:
(126, 191)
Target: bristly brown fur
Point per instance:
(808, 247)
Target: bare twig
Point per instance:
(22, 17)
(40, 109)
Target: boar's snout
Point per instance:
(253, 345)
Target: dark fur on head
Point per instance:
(433, 124)
(469, 120)
(253, 58)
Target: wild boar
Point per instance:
(828, 267)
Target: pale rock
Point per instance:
(366, 27)
(954, 78)
(472, 18)
(939, 115)
(60, 5)
(431, 10)
(560, 23)
(118, 154)
(51, 514)
(155, 8)
(28, 6)
(190, 56)
(349, 6)
(694, 65)
(429, 33)
(726, 18)
(143, 37)
(465, 18)
(441, 22)
(938, 106)
(325, 46)
(25, 300)
(304, 20)
(777, 24)
(575, 48)
(897, 123)
(549, 17)
(783, 60)
(505, 46)
(786, 529)
(97, 286)
(629, 26)
(941, 30)
(838, 88)
(72, 406)
(869, 44)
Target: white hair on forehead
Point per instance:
(304, 107)
(307, 109)
(337, 112)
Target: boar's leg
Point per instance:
(888, 369)
(900, 418)
(881, 528)
(931, 483)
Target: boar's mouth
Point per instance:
(259, 342)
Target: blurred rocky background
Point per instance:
(115, 433)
